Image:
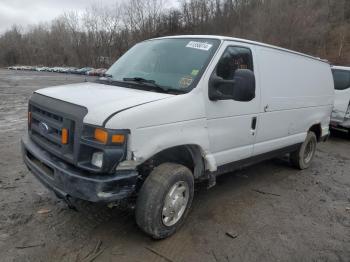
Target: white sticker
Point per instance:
(199, 45)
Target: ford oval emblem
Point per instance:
(44, 128)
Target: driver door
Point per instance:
(232, 124)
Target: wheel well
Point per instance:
(187, 155)
(317, 130)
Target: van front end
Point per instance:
(340, 120)
(73, 159)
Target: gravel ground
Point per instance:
(272, 211)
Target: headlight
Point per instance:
(97, 159)
(102, 149)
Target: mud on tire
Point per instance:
(303, 157)
(153, 199)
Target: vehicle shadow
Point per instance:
(224, 208)
(339, 134)
(241, 183)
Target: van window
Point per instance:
(341, 79)
(175, 64)
(234, 58)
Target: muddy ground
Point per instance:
(273, 212)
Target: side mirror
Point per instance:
(241, 88)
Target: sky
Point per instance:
(27, 12)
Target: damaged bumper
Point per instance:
(67, 180)
(341, 124)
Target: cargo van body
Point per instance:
(193, 107)
(341, 112)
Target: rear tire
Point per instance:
(303, 157)
(164, 200)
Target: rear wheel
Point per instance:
(303, 157)
(164, 200)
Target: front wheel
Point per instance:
(303, 157)
(164, 200)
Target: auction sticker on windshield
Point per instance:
(199, 45)
(185, 81)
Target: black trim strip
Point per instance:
(253, 160)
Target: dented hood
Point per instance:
(101, 100)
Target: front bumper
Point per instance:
(345, 124)
(67, 180)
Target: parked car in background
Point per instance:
(62, 69)
(341, 111)
(27, 68)
(97, 72)
(65, 70)
(41, 69)
(179, 110)
(84, 70)
(71, 70)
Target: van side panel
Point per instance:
(296, 93)
(179, 120)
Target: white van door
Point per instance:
(342, 94)
(295, 94)
(232, 124)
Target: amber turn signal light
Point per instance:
(101, 135)
(64, 137)
(118, 139)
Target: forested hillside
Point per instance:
(101, 34)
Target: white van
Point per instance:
(172, 111)
(341, 112)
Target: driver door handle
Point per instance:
(253, 127)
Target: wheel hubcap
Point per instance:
(175, 203)
(309, 151)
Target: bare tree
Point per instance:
(101, 34)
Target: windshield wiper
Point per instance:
(140, 81)
(149, 82)
(107, 76)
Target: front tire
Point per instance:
(164, 200)
(303, 157)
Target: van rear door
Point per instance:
(342, 94)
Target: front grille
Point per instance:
(53, 114)
(46, 129)
(52, 121)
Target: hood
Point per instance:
(101, 100)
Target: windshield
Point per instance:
(172, 64)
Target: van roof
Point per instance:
(341, 67)
(227, 38)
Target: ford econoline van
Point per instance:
(341, 112)
(173, 111)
